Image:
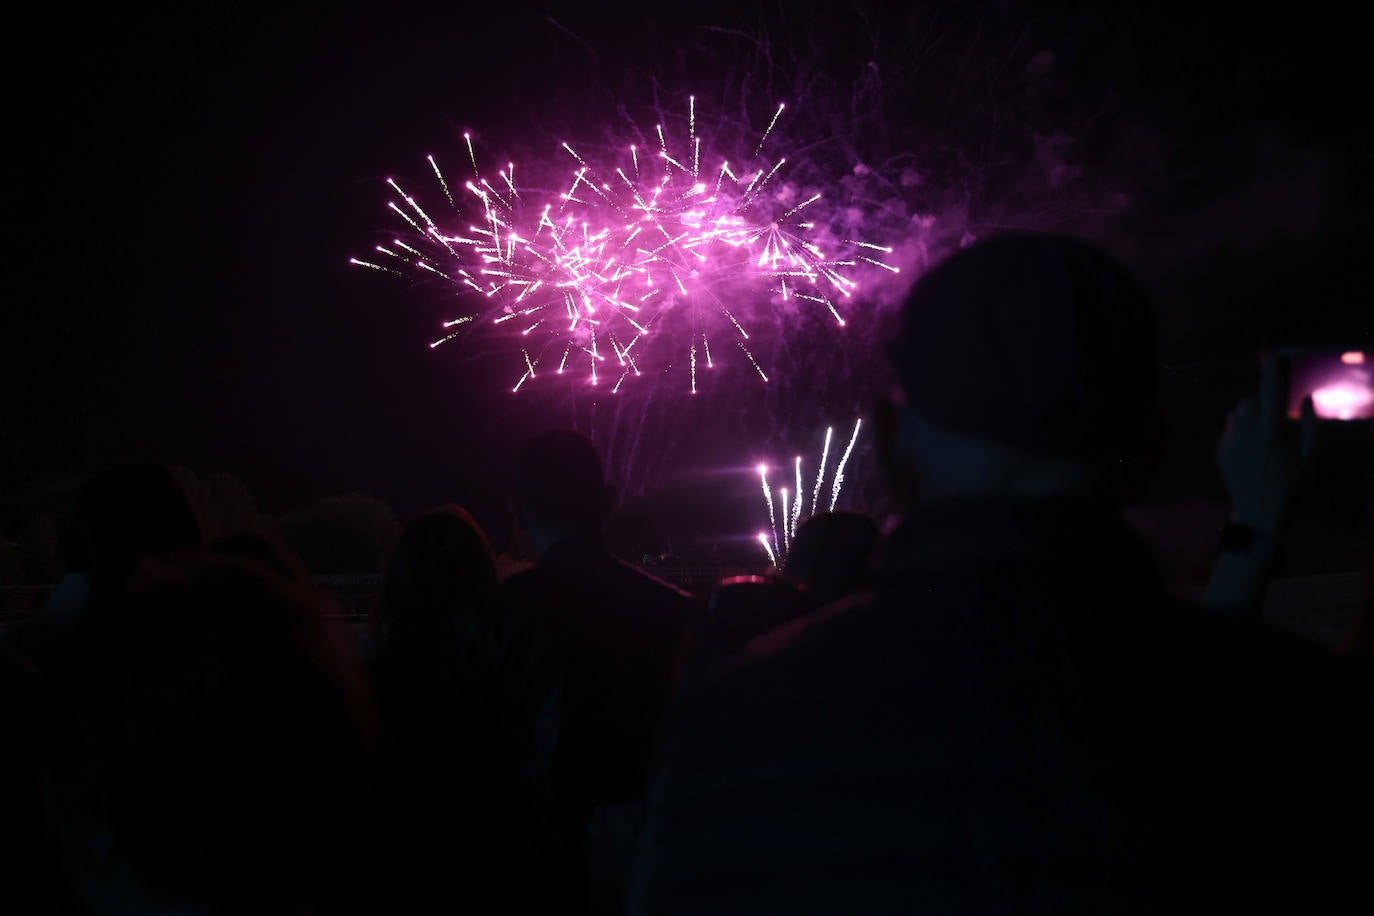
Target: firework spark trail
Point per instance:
(444, 339)
(369, 264)
(405, 216)
(449, 324)
(820, 473)
(839, 468)
(786, 539)
(620, 254)
(769, 129)
(768, 498)
(472, 155)
(792, 512)
(759, 368)
(444, 184)
(772, 557)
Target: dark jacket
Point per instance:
(606, 635)
(1016, 719)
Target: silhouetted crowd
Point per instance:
(990, 705)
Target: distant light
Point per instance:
(1353, 358)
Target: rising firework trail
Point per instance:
(783, 537)
(786, 532)
(772, 557)
(839, 468)
(820, 471)
(628, 255)
(768, 498)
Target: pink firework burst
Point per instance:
(651, 254)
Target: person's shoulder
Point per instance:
(518, 584)
(649, 582)
(519, 598)
(792, 685)
(822, 630)
(521, 578)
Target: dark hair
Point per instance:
(831, 553)
(559, 481)
(219, 733)
(122, 515)
(451, 747)
(443, 562)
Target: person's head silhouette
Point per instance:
(442, 563)
(215, 733)
(831, 552)
(560, 488)
(122, 516)
(1027, 366)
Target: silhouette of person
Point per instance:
(609, 633)
(120, 517)
(1017, 717)
(737, 610)
(206, 747)
(452, 744)
(829, 559)
(831, 554)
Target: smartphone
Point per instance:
(1340, 381)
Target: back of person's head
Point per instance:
(831, 553)
(560, 485)
(208, 742)
(1041, 348)
(442, 563)
(123, 515)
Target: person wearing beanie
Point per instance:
(1016, 717)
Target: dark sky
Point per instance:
(188, 189)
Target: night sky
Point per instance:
(186, 192)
